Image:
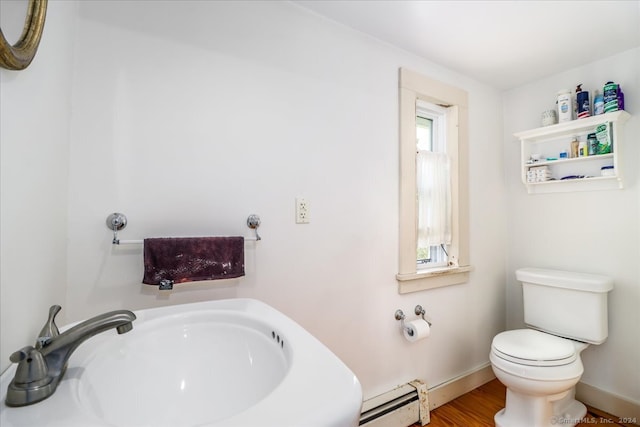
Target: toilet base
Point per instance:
(540, 411)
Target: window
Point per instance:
(433, 186)
(434, 248)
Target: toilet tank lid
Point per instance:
(565, 279)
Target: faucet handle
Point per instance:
(49, 330)
(20, 355)
(32, 367)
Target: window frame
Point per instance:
(414, 87)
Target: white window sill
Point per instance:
(433, 278)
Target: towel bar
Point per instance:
(117, 221)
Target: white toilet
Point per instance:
(541, 366)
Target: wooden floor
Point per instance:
(478, 407)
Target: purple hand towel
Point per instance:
(189, 259)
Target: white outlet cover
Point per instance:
(303, 211)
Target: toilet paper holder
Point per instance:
(399, 315)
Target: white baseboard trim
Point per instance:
(608, 402)
(446, 392)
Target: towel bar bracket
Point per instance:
(253, 222)
(116, 222)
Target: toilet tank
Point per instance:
(568, 304)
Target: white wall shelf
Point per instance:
(548, 142)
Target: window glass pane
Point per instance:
(424, 133)
(432, 185)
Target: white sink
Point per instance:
(219, 363)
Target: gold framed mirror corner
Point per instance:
(19, 55)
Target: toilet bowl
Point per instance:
(540, 366)
(540, 372)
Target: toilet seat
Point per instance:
(529, 347)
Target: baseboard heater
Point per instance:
(403, 406)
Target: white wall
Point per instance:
(594, 231)
(187, 117)
(34, 151)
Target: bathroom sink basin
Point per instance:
(229, 363)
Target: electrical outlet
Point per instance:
(302, 210)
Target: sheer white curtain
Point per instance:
(434, 198)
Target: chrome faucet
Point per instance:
(41, 368)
